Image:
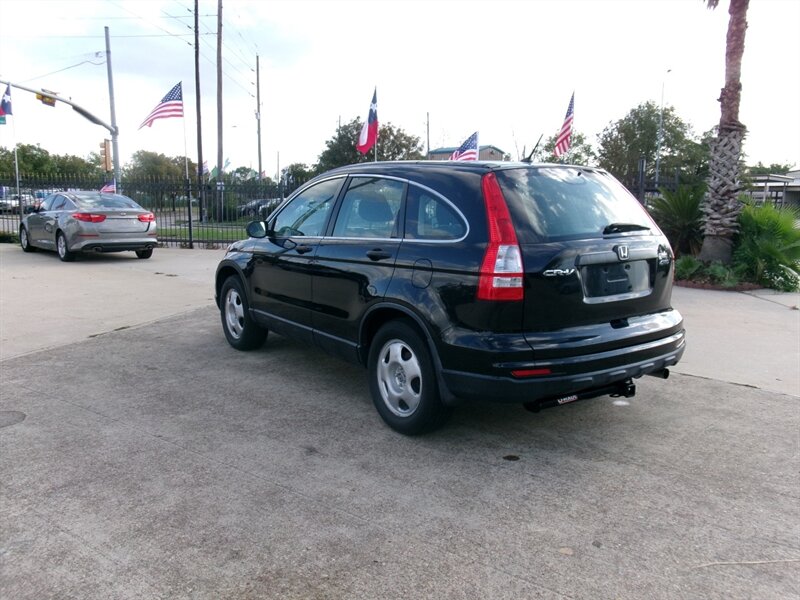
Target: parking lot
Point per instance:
(142, 457)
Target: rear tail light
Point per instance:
(147, 218)
(89, 217)
(501, 272)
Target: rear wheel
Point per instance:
(25, 241)
(144, 253)
(402, 380)
(241, 331)
(63, 251)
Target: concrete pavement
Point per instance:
(142, 457)
(746, 338)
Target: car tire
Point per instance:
(241, 331)
(63, 250)
(144, 253)
(25, 241)
(402, 380)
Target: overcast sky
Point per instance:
(504, 68)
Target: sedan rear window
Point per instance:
(105, 201)
(557, 203)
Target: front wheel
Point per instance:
(61, 246)
(25, 241)
(402, 380)
(241, 331)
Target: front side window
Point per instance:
(47, 203)
(370, 208)
(429, 217)
(307, 213)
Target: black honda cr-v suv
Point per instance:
(508, 282)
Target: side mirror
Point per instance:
(256, 229)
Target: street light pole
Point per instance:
(115, 129)
(660, 129)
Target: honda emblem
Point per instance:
(622, 252)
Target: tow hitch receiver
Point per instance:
(625, 389)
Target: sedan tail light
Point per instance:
(147, 218)
(89, 217)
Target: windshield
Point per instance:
(558, 203)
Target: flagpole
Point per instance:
(16, 163)
(187, 180)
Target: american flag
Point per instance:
(171, 105)
(109, 188)
(565, 135)
(468, 150)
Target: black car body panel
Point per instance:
(594, 301)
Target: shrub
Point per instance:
(680, 217)
(767, 247)
(687, 267)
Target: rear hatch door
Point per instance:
(591, 253)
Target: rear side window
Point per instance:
(369, 208)
(556, 203)
(429, 217)
(62, 203)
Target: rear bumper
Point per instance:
(99, 246)
(617, 365)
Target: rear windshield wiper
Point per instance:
(620, 227)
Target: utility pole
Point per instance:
(428, 129)
(660, 129)
(258, 113)
(115, 132)
(220, 164)
(200, 183)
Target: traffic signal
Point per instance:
(105, 155)
(48, 100)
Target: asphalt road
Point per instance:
(142, 457)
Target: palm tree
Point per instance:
(721, 206)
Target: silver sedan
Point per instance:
(72, 222)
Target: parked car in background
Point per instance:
(14, 203)
(507, 282)
(258, 208)
(89, 221)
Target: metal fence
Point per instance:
(184, 217)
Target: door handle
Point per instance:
(303, 248)
(378, 254)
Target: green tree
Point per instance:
(722, 206)
(624, 142)
(35, 160)
(393, 144)
(153, 165)
(773, 169)
(580, 152)
(295, 175)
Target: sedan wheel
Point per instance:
(24, 241)
(63, 251)
(402, 381)
(240, 330)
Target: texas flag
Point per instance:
(369, 133)
(5, 104)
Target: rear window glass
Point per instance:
(556, 203)
(105, 201)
